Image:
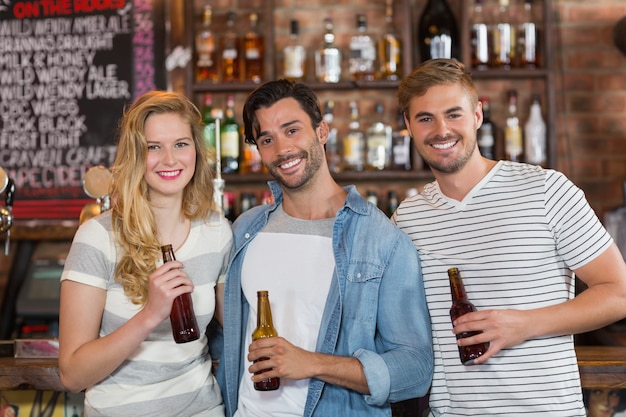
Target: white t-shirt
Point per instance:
(293, 260)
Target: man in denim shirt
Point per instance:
(345, 285)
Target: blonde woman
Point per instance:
(116, 294)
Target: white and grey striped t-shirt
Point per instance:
(515, 238)
(161, 377)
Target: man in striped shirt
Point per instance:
(518, 233)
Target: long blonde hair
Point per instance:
(134, 226)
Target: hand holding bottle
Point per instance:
(167, 282)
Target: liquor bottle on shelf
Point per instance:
(378, 142)
(294, 55)
(513, 142)
(479, 37)
(503, 51)
(392, 202)
(535, 135)
(372, 197)
(401, 145)
(251, 163)
(328, 57)
(461, 305)
(362, 58)
(486, 135)
(528, 38)
(264, 328)
(253, 49)
(206, 64)
(333, 151)
(390, 48)
(354, 142)
(230, 46)
(209, 126)
(230, 138)
(438, 33)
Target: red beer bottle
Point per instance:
(460, 306)
(265, 328)
(182, 317)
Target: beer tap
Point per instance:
(96, 184)
(6, 211)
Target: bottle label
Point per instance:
(230, 144)
(294, 60)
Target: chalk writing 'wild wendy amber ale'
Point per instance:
(184, 324)
(265, 328)
(460, 306)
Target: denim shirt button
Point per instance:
(247, 235)
(358, 275)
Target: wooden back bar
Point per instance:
(600, 367)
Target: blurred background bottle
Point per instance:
(390, 48)
(362, 57)
(378, 142)
(230, 46)
(230, 138)
(513, 139)
(333, 150)
(328, 57)
(354, 142)
(535, 140)
(206, 49)
(253, 49)
(486, 135)
(209, 126)
(479, 37)
(438, 32)
(294, 54)
(503, 52)
(528, 38)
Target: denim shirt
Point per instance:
(375, 311)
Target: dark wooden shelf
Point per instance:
(363, 176)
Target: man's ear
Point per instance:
(322, 132)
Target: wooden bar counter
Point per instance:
(600, 367)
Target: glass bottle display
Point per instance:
(328, 57)
(183, 319)
(209, 126)
(253, 49)
(462, 305)
(265, 328)
(438, 32)
(294, 54)
(362, 57)
(206, 49)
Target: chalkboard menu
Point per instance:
(68, 68)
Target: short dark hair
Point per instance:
(271, 92)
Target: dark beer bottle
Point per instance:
(184, 324)
(460, 306)
(264, 328)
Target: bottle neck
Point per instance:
(457, 289)
(264, 315)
